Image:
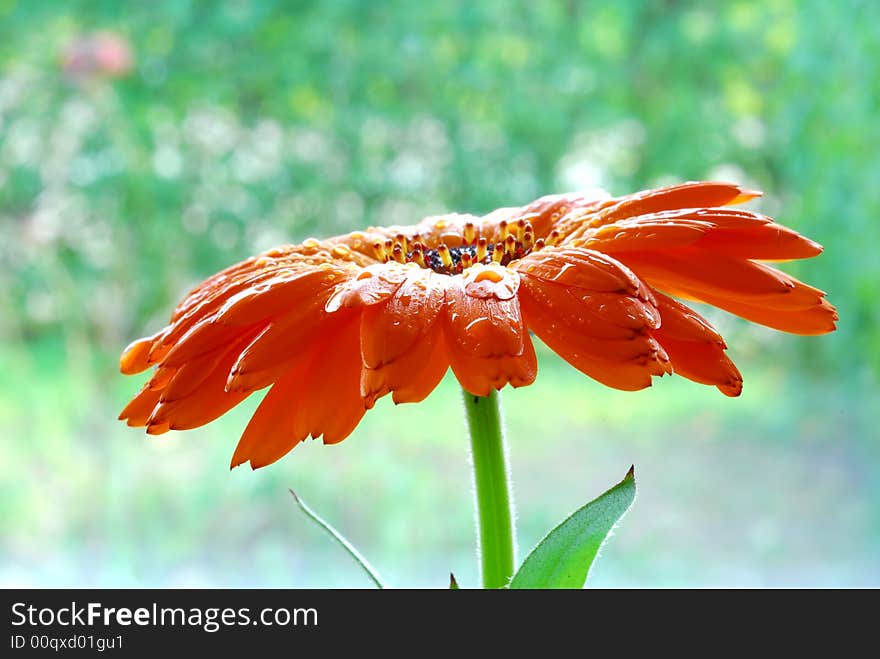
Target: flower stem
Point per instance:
(492, 489)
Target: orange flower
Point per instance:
(333, 325)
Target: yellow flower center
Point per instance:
(514, 240)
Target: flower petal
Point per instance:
(695, 349)
(389, 330)
(140, 407)
(135, 357)
(320, 396)
(625, 364)
(722, 230)
(411, 376)
(545, 213)
(579, 268)
(752, 290)
(820, 318)
(486, 341)
(579, 224)
(490, 281)
(268, 356)
(610, 327)
(693, 194)
(401, 345)
(206, 401)
(371, 285)
(278, 295)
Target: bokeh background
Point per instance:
(144, 146)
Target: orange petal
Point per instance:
(579, 268)
(272, 431)
(490, 281)
(205, 338)
(319, 397)
(409, 376)
(694, 347)
(424, 376)
(547, 211)
(695, 194)
(391, 329)
(208, 400)
(641, 233)
(580, 351)
(479, 375)
(140, 407)
(372, 285)
(768, 242)
(687, 195)
(717, 275)
(135, 357)
(188, 377)
(277, 296)
(487, 344)
(818, 319)
(683, 323)
(724, 230)
(284, 340)
(308, 256)
(206, 305)
(595, 338)
(705, 363)
(161, 378)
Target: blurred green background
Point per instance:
(143, 146)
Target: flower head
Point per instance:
(331, 326)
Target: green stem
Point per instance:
(492, 489)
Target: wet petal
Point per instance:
(694, 194)
(487, 344)
(578, 268)
(490, 281)
(391, 329)
(278, 295)
(623, 364)
(371, 285)
(410, 376)
(721, 230)
(695, 349)
(614, 327)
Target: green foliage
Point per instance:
(340, 539)
(251, 123)
(564, 557)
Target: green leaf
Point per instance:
(453, 584)
(336, 535)
(563, 558)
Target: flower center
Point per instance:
(514, 241)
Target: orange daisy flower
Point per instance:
(331, 326)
